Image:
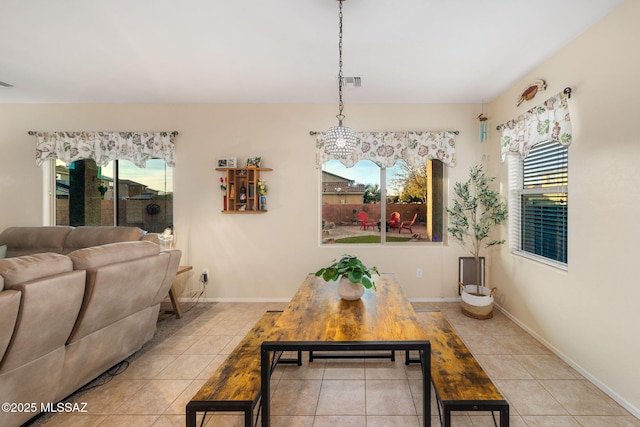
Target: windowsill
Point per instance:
(381, 245)
(541, 260)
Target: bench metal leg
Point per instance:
(265, 390)
(452, 406)
(391, 355)
(191, 417)
(504, 417)
(278, 360)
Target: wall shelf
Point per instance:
(242, 194)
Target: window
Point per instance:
(117, 194)
(369, 204)
(538, 203)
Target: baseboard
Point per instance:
(289, 299)
(612, 394)
(434, 299)
(234, 299)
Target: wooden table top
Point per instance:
(317, 313)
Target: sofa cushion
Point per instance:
(117, 290)
(31, 240)
(85, 237)
(49, 308)
(111, 253)
(30, 267)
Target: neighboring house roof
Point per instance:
(336, 184)
(62, 189)
(129, 182)
(342, 188)
(143, 196)
(332, 177)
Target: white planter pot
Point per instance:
(477, 306)
(348, 290)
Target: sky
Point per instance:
(153, 176)
(364, 172)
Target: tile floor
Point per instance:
(541, 389)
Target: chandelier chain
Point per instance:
(340, 116)
(340, 141)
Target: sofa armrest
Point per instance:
(170, 274)
(151, 237)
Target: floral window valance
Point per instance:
(103, 147)
(386, 148)
(548, 121)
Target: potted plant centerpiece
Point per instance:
(476, 210)
(353, 274)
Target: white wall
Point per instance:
(590, 313)
(248, 256)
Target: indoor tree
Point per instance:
(476, 210)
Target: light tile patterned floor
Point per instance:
(541, 389)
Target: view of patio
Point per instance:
(353, 233)
(355, 209)
(341, 223)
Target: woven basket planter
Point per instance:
(476, 306)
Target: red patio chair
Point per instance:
(394, 220)
(364, 221)
(406, 225)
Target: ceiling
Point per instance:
(278, 51)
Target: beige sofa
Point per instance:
(73, 303)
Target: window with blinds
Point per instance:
(538, 202)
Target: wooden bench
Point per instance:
(235, 386)
(459, 381)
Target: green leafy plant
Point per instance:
(476, 210)
(351, 267)
(262, 188)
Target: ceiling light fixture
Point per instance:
(340, 140)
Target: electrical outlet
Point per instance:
(205, 276)
(419, 273)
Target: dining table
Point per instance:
(317, 319)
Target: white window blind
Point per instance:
(538, 202)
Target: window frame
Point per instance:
(51, 200)
(516, 167)
(384, 213)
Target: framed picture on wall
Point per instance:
(254, 162)
(227, 162)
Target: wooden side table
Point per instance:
(172, 291)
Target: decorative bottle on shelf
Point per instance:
(242, 195)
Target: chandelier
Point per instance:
(340, 140)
